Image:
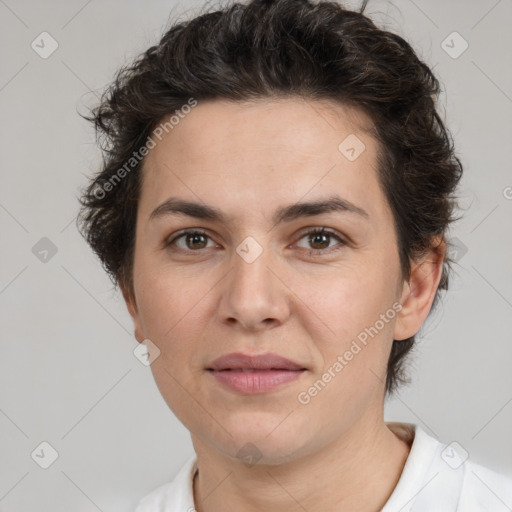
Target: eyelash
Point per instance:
(310, 252)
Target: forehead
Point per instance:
(261, 152)
(308, 127)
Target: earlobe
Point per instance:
(131, 305)
(419, 291)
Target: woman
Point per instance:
(273, 205)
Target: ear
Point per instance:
(131, 305)
(419, 291)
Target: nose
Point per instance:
(253, 295)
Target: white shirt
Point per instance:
(436, 478)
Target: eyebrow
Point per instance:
(175, 206)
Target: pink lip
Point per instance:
(254, 374)
(239, 361)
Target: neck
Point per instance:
(356, 472)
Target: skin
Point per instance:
(247, 159)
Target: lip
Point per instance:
(240, 361)
(254, 374)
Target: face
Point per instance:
(253, 281)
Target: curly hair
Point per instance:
(269, 49)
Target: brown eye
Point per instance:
(195, 241)
(190, 241)
(319, 241)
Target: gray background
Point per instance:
(68, 375)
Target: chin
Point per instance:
(262, 438)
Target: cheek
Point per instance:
(352, 341)
(342, 302)
(169, 308)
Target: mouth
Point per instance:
(238, 361)
(249, 375)
(255, 370)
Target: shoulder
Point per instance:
(470, 486)
(440, 477)
(173, 496)
(485, 489)
(155, 500)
